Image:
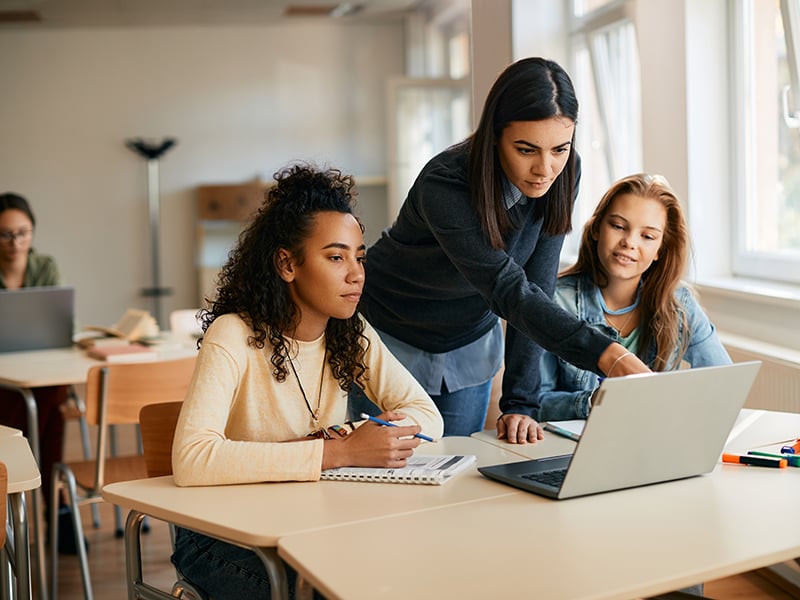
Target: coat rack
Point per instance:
(152, 152)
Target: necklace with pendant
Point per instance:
(628, 310)
(624, 325)
(313, 412)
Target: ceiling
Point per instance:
(120, 13)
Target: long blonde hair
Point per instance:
(661, 317)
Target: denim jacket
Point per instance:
(566, 389)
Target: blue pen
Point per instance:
(388, 424)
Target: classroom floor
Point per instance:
(107, 556)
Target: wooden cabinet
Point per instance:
(229, 202)
(223, 210)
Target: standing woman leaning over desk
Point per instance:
(21, 266)
(282, 345)
(627, 284)
(477, 238)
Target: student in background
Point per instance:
(21, 266)
(282, 345)
(478, 239)
(627, 284)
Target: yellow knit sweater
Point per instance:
(236, 419)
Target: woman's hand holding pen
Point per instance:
(373, 445)
(519, 429)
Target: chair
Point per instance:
(157, 423)
(74, 408)
(114, 395)
(184, 321)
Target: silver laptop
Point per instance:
(642, 429)
(36, 318)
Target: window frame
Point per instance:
(589, 34)
(747, 262)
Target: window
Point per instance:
(605, 72)
(430, 108)
(767, 124)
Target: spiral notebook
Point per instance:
(420, 468)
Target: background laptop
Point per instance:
(643, 429)
(36, 318)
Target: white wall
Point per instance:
(241, 101)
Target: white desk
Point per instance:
(749, 432)
(624, 544)
(23, 476)
(258, 516)
(25, 371)
(9, 432)
(551, 445)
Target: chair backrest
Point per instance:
(3, 502)
(183, 321)
(127, 387)
(157, 423)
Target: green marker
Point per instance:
(794, 461)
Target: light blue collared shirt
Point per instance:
(512, 194)
(464, 367)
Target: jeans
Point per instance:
(464, 411)
(221, 570)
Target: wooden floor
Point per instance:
(107, 558)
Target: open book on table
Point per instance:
(134, 325)
(420, 468)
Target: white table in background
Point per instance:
(9, 432)
(26, 371)
(23, 476)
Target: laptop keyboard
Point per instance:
(553, 478)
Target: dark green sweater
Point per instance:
(41, 271)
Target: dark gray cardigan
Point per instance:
(433, 282)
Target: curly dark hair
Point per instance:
(250, 285)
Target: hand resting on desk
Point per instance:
(519, 429)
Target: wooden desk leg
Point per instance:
(302, 589)
(275, 571)
(22, 563)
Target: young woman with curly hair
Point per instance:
(282, 346)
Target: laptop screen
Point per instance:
(644, 429)
(36, 318)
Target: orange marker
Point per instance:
(757, 461)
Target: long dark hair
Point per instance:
(250, 284)
(531, 89)
(10, 200)
(661, 317)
